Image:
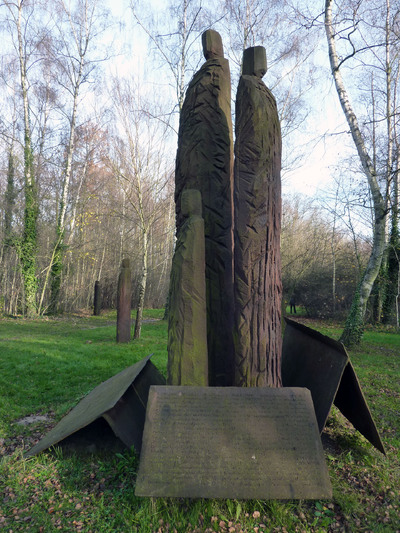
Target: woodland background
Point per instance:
(89, 111)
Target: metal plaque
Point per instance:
(121, 401)
(315, 361)
(230, 442)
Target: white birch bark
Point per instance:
(27, 248)
(24, 88)
(142, 286)
(354, 324)
(74, 69)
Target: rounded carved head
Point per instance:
(191, 202)
(125, 263)
(254, 61)
(212, 44)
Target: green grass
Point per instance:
(300, 311)
(48, 365)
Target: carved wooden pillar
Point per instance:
(187, 319)
(205, 162)
(257, 200)
(97, 299)
(124, 291)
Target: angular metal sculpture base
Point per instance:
(351, 403)
(229, 442)
(322, 365)
(120, 403)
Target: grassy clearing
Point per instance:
(300, 312)
(47, 365)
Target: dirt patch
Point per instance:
(33, 419)
(37, 424)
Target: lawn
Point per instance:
(48, 365)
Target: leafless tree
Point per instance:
(137, 163)
(78, 31)
(352, 30)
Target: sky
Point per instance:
(314, 176)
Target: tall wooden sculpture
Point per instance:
(124, 292)
(257, 199)
(97, 299)
(187, 319)
(205, 162)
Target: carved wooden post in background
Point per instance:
(205, 162)
(187, 318)
(124, 291)
(97, 299)
(257, 200)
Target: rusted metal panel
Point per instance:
(351, 402)
(315, 361)
(121, 401)
(232, 442)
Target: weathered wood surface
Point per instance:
(187, 317)
(124, 293)
(257, 200)
(97, 299)
(205, 162)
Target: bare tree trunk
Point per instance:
(333, 250)
(97, 299)
(355, 322)
(73, 217)
(124, 294)
(142, 286)
(27, 246)
(101, 263)
(398, 299)
(14, 293)
(390, 308)
(81, 43)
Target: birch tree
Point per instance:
(7, 249)
(78, 29)
(20, 18)
(390, 310)
(346, 29)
